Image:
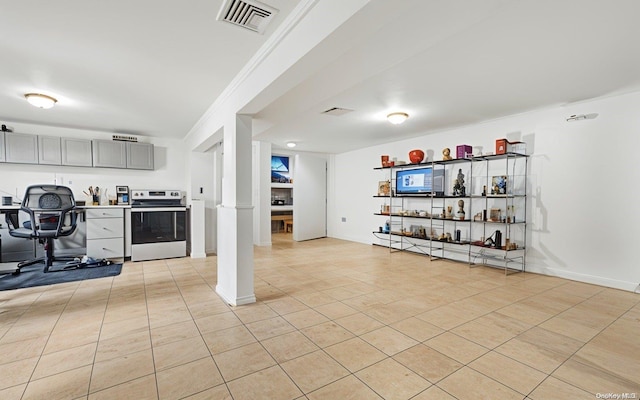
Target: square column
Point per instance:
(235, 215)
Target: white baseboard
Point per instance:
(595, 280)
(238, 301)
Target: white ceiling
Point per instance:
(154, 67)
(146, 67)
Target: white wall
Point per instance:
(169, 170)
(203, 187)
(583, 219)
(261, 182)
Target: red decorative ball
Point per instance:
(416, 156)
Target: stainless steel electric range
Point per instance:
(158, 224)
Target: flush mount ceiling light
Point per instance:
(40, 100)
(291, 144)
(397, 117)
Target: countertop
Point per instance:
(17, 207)
(116, 206)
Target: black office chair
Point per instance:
(50, 214)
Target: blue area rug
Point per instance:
(34, 275)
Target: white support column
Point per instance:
(235, 215)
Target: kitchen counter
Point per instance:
(116, 206)
(282, 208)
(17, 207)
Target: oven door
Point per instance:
(158, 233)
(158, 225)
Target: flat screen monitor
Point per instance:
(280, 163)
(420, 181)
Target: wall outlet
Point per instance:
(344, 219)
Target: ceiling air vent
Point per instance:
(336, 111)
(249, 14)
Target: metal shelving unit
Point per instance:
(475, 241)
(503, 210)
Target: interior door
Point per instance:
(309, 197)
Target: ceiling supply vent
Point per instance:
(336, 111)
(124, 138)
(249, 14)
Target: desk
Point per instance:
(282, 219)
(11, 212)
(110, 243)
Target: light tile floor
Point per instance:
(334, 320)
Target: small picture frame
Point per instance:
(494, 215)
(499, 185)
(384, 188)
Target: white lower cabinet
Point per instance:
(105, 232)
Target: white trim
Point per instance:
(239, 301)
(596, 280)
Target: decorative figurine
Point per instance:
(460, 214)
(448, 215)
(446, 154)
(458, 187)
(484, 190)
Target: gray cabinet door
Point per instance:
(21, 148)
(76, 152)
(2, 146)
(109, 154)
(139, 155)
(49, 149)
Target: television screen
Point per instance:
(420, 181)
(280, 163)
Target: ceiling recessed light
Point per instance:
(397, 117)
(291, 144)
(40, 100)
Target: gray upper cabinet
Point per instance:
(76, 152)
(52, 150)
(21, 148)
(109, 154)
(2, 146)
(49, 149)
(139, 155)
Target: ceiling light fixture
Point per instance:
(40, 100)
(397, 117)
(291, 144)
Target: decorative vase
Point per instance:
(416, 156)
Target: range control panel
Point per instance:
(145, 194)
